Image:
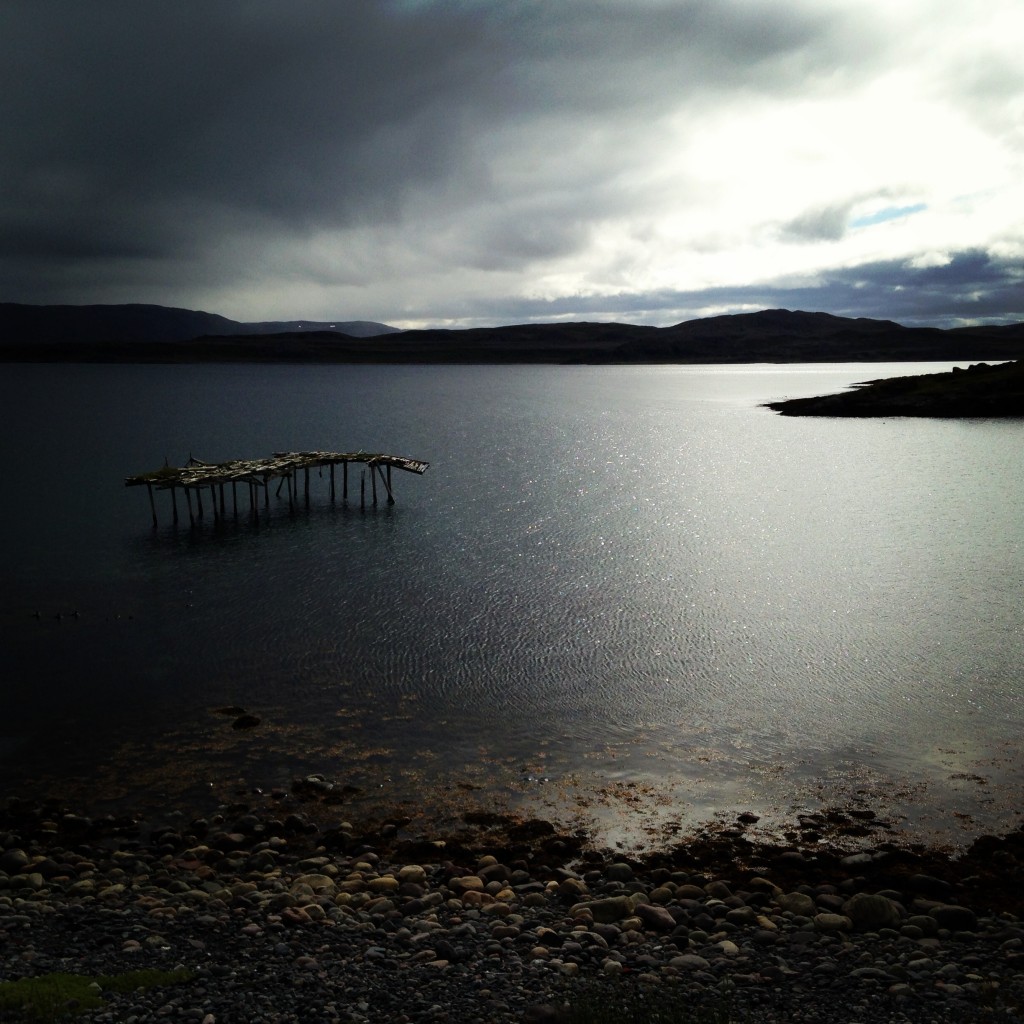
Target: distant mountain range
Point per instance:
(138, 333)
(146, 323)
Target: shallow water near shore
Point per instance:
(628, 597)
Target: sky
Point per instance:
(480, 162)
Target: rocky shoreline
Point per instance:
(980, 391)
(291, 914)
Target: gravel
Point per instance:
(285, 919)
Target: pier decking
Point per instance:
(196, 476)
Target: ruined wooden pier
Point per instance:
(196, 477)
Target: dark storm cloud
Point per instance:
(155, 129)
(416, 159)
(290, 111)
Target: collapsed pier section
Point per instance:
(196, 477)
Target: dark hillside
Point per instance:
(160, 334)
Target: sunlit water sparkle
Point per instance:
(609, 577)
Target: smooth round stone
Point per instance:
(798, 903)
(655, 918)
(870, 912)
(415, 874)
(619, 872)
(928, 925)
(742, 916)
(467, 883)
(688, 891)
(689, 962)
(572, 888)
(318, 883)
(14, 861)
(606, 911)
(831, 923)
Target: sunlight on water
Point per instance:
(607, 574)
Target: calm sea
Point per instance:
(622, 595)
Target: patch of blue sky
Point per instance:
(887, 213)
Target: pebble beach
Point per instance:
(292, 914)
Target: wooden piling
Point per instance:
(174, 503)
(188, 498)
(373, 483)
(332, 482)
(152, 503)
(344, 484)
(386, 481)
(199, 500)
(307, 486)
(362, 488)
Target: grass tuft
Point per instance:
(53, 996)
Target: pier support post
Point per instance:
(188, 498)
(344, 480)
(213, 501)
(199, 500)
(362, 488)
(373, 481)
(332, 482)
(152, 503)
(174, 504)
(307, 487)
(386, 481)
